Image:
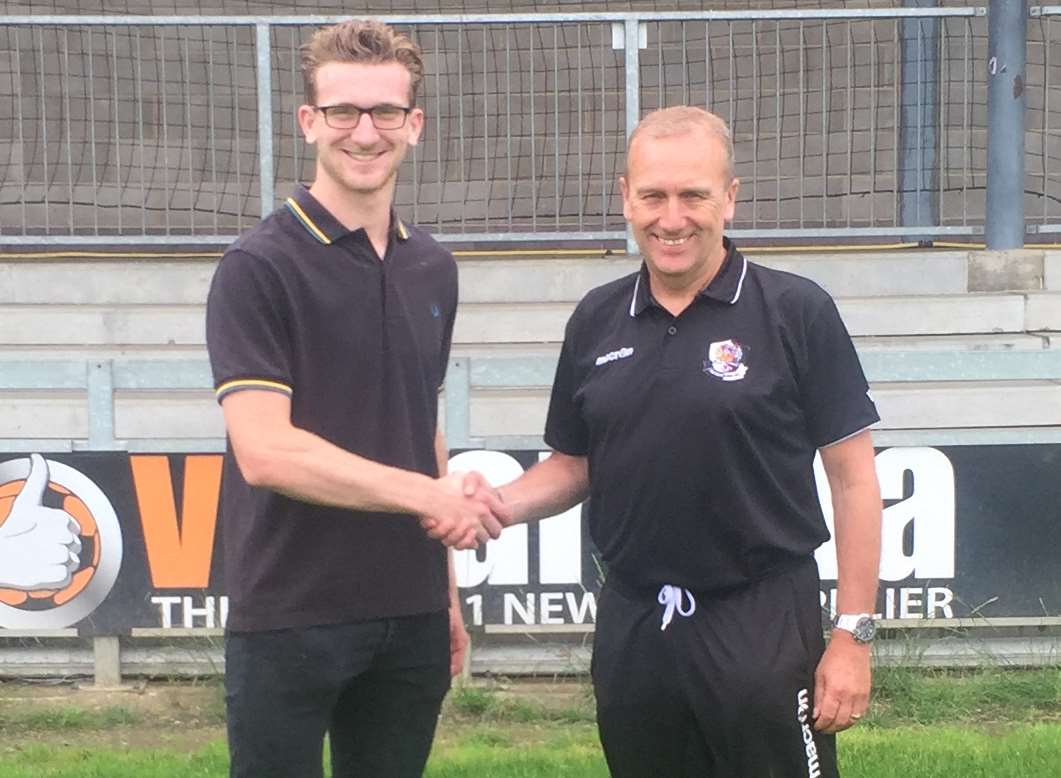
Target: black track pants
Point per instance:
(724, 692)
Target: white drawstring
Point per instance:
(671, 597)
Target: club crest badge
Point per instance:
(726, 360)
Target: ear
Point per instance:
(731, 200)
(624, 188)
(416, 125)
(307, 122)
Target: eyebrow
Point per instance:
(648, 190)
(366, 108)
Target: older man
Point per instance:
(690, 401)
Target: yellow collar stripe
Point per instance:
(307, 222)
(402, 232)
(252, 383)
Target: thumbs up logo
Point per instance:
(60, 544)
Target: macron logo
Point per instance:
(611, 356)
(810, 747)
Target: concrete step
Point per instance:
(965, 314)
(197, 352)
(102, 325)
(166, 279)
(503, 278)
(977, 342)
(141, 325)
(921, 406)
(195, 415)
(934, 315)
(105, 282)
(864, 275)
(514, 307)
(137, 415)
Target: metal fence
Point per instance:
(847, 123)
(1043, 151)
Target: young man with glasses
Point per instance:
(329, 326)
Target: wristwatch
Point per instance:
(861, 625)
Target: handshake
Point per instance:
(468, 512)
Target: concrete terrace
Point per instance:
(513, 309)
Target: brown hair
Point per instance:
(681, 119)
(364, 41)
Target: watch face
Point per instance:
(864, 629)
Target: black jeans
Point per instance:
(375, 687)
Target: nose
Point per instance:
(672, 217)
(364, 132)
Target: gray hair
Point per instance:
(682, 119)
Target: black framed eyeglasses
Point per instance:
(345, 116)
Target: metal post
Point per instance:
(100, 391)
(919, 129)
(458, 402)
(263, 47)
(1007, 28)
(632, 40)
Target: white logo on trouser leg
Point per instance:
(810, 747)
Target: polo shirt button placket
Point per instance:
(670, 362)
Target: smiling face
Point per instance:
(678, 194)
(362, 161)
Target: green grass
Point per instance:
(1028, 752)
(40, 761)
(489, 705)
(903, 696)
(54, 719)
(945, 752)
(576, 754)
(923, 724)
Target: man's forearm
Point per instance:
(304, 466)
(550, 487)
(851, 470)
(273, 453)
(857, 513)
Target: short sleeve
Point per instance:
(833, 389)
(246, 333)
(565, 428)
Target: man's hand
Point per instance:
(459, 641)
(39, 546)
(465, 517)
(841, 684)
(474, 484)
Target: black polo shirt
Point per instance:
(302, 306)
(701, 429)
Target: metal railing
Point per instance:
(102, 380)
(847, 123)
(1044, 151)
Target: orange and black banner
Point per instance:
(107, 541)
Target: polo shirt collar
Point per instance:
(725, 287)
(319, 222)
